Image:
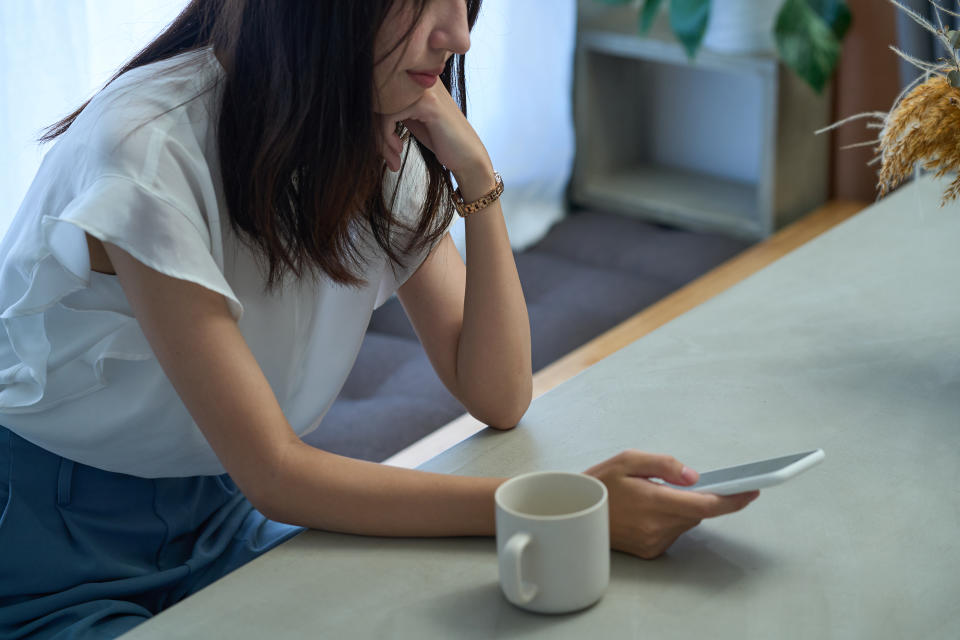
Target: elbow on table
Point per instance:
(507, 412)
(501, 425)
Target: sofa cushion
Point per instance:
(673, 256)
(570, 303)
(591, 272)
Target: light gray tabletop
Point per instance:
(851, 343)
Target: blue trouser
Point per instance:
(87, 553)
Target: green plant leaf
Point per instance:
(648, 13)
(806, 42)
(688, 19)
(835, 13)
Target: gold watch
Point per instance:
(484, 201)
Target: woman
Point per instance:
(187, 283)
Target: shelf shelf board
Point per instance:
(676, 196)
(663, 47)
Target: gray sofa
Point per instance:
(592, 271)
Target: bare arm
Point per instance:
(202, 352)
(472, 321)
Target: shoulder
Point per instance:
(147, 117)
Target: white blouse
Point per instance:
(138, 168)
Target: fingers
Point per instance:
(434, 101)
(688, 504)
(418, 130)
(647, 517)
(436, 121)
(651, 465)
(649, 522)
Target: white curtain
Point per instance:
(54, 54)
(519, 98)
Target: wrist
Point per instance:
(465, 208)
(476, 181)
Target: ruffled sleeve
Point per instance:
(170, 238)
(150, 193)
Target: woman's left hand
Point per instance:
(437, 122)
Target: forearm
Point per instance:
(321, 490)
(493, 354)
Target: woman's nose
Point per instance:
(451, 31)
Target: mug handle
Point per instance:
(514, 586)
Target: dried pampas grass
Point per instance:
(923, 129)
(923, 126)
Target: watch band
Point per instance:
(484, 201)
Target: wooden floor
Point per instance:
(700, 290)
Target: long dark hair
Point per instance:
(296, 132)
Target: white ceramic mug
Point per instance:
(553, 541)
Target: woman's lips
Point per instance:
(424, 79)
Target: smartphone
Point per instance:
(755, 475)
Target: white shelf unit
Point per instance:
(721, 143)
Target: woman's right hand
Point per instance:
(647, 517)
